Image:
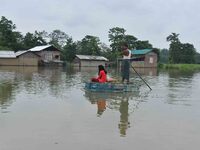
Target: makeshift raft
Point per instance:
(111, 87)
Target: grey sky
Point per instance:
(151, 20)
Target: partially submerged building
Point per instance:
(20, 58)
(89, 61)
(48, 54)
(144, 58)
(39, 55)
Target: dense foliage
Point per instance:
(180, 52)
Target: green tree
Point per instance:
(197, 58)
(131, 41)
(34, 39)
(174, 48)
(180, 52)
(18, 41)
(6, 32)
(173, 38)
(116, 36)
(107, 52)
(188, 54)
(9, 38)
(69, 50)
(40, 37)
(29, 41)
(58, 38)
(89, 45)
(143, 45)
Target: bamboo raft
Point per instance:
(112, 87)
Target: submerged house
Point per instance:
(89, 61)
(144, 58)
(48, 54)
(39, 55)
(20, 58)
(7, 58)
(27, 58)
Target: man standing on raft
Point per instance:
(125, 63)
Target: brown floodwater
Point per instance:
(49, 109)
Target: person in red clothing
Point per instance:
(102, 75)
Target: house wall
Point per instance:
(28, 59)
(77, 62)
(149, 61)
(88, 63)
(138, 64)
(8, 61)
(49, 55)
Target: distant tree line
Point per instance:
(180, 52)
(11, 39)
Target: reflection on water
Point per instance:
(6, 94)
(179, 83)
(125, 103)
(101, 106)
(181, 74)
(147, 71)
(43, 106)
(124, 123)
(31, 80)
(19, 69)
(7, 89)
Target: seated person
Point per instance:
(109, 79)
(102, 75)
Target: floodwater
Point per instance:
(48, 109)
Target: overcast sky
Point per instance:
(151, 20)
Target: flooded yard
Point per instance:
(48, 109)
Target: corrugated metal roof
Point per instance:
(20, 52)
(7, 54)
(140, 51)
(39, 48)
(91, 57)
(12, 54)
